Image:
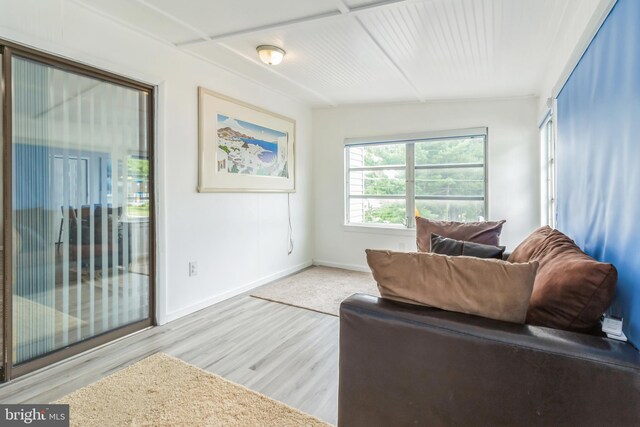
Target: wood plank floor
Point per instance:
(287, 353)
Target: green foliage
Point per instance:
(139, 211)
(450, 182)
(392, 213)
(379, 155)
(138, 168)
(383, 182)
(428, 182)
(445, 210)
(224, 148)
(450, 151)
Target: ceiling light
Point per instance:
(270, 55)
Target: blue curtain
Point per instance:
(598, 155)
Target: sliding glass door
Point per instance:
(81, 209)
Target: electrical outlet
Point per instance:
(193, 268)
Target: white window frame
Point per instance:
(410, 198)
(548, 187)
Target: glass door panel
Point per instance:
(2, 269)
(80, 207)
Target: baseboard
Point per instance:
(233, 292)
(340, 265)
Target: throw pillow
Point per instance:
(486, 232)
(445, 246)
(572, 290)
(484, 287)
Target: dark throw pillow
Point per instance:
(485, 232)
(445, 246)
(571, 290)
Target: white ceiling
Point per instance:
(360, 51)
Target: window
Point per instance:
(548, 171)
(440, 176)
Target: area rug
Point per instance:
(318, 288)
(164, 391)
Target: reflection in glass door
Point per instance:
(81, 208)
(3, 291)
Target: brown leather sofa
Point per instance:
(407, 365)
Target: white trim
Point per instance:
(351, 267)
(409, 102)
(175, 19)
(596, 21)
(399, 230)
(548, 177)
(346, 179)
(338, 12)
(546, 112)
(134, 74)
(176, 314)
(410, 185)
(417, 136)
(554, 131)
(162, 264)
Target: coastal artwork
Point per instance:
(243, 147)
(250, 149)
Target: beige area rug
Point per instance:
(164, 391)
(318, 288)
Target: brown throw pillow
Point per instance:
(484, 287)
(486, 232)
(571, 290)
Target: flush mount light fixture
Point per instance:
(270, 55)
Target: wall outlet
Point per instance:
(193, 268)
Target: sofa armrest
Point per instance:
(402, 364)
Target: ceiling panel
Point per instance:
(335, 58)
(359, 3)
(471, 48)
(401, 51)
(144, 18)
(224, 16)
(269, 78)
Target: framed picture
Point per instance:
(243, 147)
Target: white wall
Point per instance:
(513, 162)
(570, 43)
(239, 240)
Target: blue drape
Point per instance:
(598, 155)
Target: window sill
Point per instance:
(379, 229)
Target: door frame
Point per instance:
(9, 370)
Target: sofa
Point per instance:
(409, 365)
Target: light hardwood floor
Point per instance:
(287, 353)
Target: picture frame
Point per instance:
(242, 147)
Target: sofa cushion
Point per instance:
(572, 290)
(452, 247)
(485, 232)
(484, 287)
